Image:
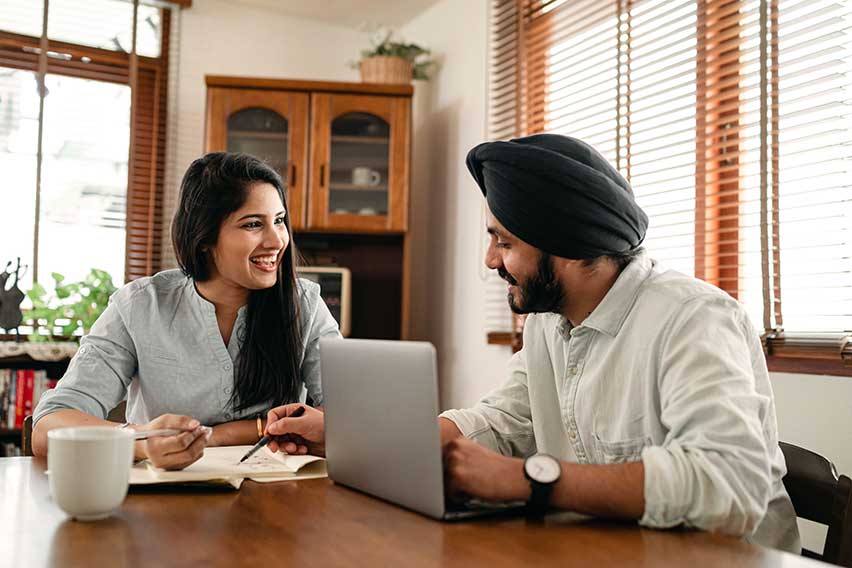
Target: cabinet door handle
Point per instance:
(322, 175)
(293, 174)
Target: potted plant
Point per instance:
(390, 61)
(77, 303)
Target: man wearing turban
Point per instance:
(640, 392)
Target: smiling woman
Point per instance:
(230, 335)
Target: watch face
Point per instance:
(543, 468)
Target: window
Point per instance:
(732, 121)
(85, 154)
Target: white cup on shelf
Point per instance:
(89, 469)
(366, 176)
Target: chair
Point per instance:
(115, 415)
(27, 437)
(819, 495)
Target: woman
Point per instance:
(230, 335)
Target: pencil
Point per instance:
(145, 434)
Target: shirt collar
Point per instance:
(205, 305)
(197, 298)
(609, 315)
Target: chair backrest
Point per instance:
(115, 415)
(820, 495)
(27, 436)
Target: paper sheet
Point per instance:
(222, 463)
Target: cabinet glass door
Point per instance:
(262, 133)
(359, 154)
(358, 182)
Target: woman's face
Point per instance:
(252, 241)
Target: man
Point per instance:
(639, 393)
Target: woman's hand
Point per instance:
(302, 435)
(175, 452)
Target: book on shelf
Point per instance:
(20, 390)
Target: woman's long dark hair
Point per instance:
(214, 186)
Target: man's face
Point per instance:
(533, 286)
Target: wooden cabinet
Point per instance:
(344, 151)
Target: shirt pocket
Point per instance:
(620, 451)
(156, 354)
(157, 362)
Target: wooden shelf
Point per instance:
(361, 139)
(258, 135)
(355, 187)
(343, 165)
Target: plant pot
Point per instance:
(385, 69)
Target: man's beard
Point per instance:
(541, 293)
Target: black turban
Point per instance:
(559, 195)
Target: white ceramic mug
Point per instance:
(365, 176)
(89, 469)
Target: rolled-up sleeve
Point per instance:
(501, 421)
(317, 323)
(98, 376)
(713, 470)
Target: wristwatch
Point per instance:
(542, 471)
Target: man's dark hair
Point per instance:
(622, 259)
(214, 186)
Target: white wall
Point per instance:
(447, 221)
(219, 37)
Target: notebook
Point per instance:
(221, 464)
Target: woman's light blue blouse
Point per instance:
(158, 345)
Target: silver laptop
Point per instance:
(381, 429)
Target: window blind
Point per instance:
(731, 119)
(504, 101)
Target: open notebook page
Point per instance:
(223, 463)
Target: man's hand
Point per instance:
(472, 470)
(175, 452)
(302, 435)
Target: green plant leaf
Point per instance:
(69, 329)
(80, 303)
(411, 52)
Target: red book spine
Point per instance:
(28, 392)
(19, 398)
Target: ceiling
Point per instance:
(349, 13)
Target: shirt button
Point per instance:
(227, 390)
(227, 366)
(572, 370)
(228, 415)
(572, 435)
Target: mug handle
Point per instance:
(375, 177)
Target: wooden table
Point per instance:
(317, 523)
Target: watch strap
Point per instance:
(539, 500)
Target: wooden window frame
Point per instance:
(147, 156)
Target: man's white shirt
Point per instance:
(667, 370)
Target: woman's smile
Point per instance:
(266, 263)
